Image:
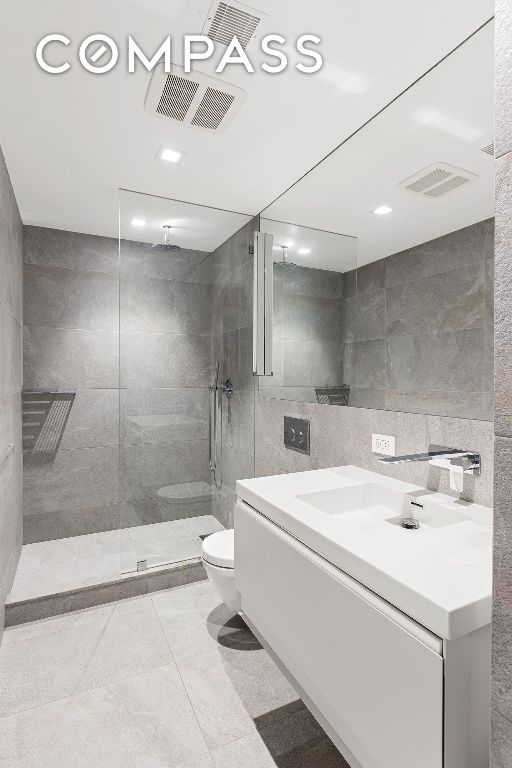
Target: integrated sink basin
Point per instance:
(368, 504)
(439, 574)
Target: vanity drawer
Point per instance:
(378, 685)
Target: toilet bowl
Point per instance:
(219, 563)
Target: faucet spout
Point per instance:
(469, 461)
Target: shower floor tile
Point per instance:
(51, 567)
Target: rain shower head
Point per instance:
(166, 246)
(284, 263)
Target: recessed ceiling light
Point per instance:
(382, 210)
(138, 222)
(304, 251)
(169, 155)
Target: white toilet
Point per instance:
(219, 563)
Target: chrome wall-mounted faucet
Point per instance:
(468, 461)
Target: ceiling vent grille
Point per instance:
(437, 180)
(193, 99)
(177, 97)
(212, 109)
(489, 149)
(227, 20)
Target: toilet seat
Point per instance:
(219, 549)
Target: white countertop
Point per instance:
(441, 576)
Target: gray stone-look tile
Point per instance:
(146, 468)
(440, 402)
(454, 251)
(144, 720)
(370, 316)
(67, 298)
(370, 364)
(444, 361)
(69, 521)
(309, 318)
(446, 302)
(172, 266)
(503, 55)
(70, 359)
(501, 741)
(303, 281)
(309, 363)
(71, 250)
(74, 479)
(93, 420)
(161, 360)
(371, 277)
(503, 288)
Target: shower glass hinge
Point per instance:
(142, 565)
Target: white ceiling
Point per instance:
(445, 118)
(71, 141)
(193, 226)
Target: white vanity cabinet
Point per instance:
(376, 679)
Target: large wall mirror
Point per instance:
(390, 302)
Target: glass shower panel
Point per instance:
(183, 306)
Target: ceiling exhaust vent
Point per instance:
(193, 99)
(227, 20)
(437, 180)
(489, 149)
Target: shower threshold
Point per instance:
(67, 574)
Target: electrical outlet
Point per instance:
(384, 444)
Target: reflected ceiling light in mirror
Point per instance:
(169, 155)
(382, 210)
(344, 81)
(449, 125)
(304, 251)
(138, 223)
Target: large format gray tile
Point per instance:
(503, 55)
(195, 621)
(74, 479)
(93, 420)
(449, 301)
(144, 720)
(165, 360)
(146, 468)
(312, 319)
(444, 360)
(370, 363)
(303, 281)
(70, 359)
(501, 741)
(71, 250)
(503, 288)
(454, 251)
(67, 298)
(370, 314)
(310, 363)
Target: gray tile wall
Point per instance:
(419, 328)
(11, 320)
(166, 340)
(501, 725)
(343, 436)
(231, 271)
(307, 333)
(131, 333)
(71, 342)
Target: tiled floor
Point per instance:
(49, 567)
(171, 680)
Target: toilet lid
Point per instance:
(219, 549)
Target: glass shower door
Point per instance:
(177, 312)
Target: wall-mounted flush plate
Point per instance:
(296, 434)
(384, 445)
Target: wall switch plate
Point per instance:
(296, 434)
(384, 444)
